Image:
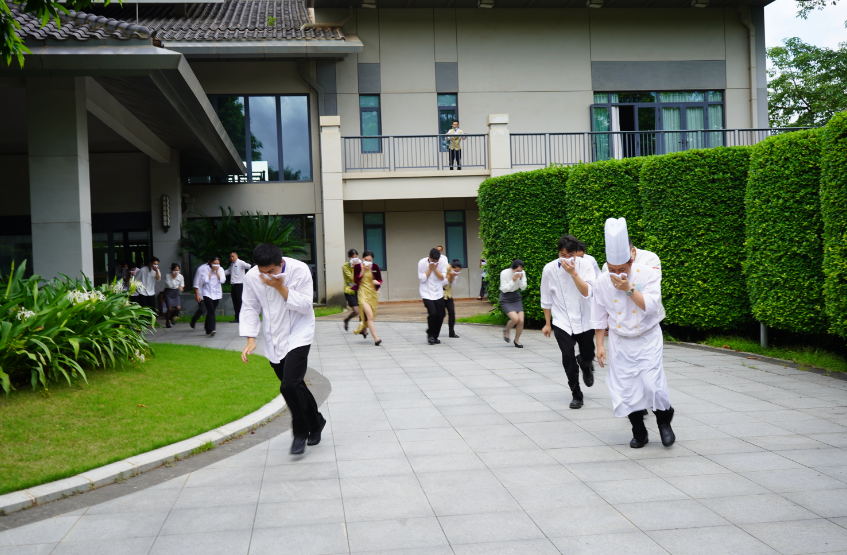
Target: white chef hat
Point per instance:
(617, 242)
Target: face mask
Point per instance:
(133, 272)
(354, 261)
(621, 275)
(175, 273)
(156, 266)
(562, 260)
(216, 265)
(368, 263)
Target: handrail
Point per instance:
(365, 153)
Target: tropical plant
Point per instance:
(205, 237)
(51, 330)
(266, 228)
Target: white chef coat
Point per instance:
(285, 325)
(431, 287)
(172, 282)
(236, 271)
(148, 278)
(204, 269)
(645, 258)
(594, 264)
(211, 283)
(507, 282)
(570, 311)
(636, 378)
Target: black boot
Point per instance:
(577, 399)
(639, 430)
(587, 371)
(663, 420)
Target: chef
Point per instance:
(627, 298)
(643, 257)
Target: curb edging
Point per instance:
(137, 464)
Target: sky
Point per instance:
(824, 28)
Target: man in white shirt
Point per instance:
(455, 145)
(566, 286)
(212, 292)
(204, 269)
(432, 272)
(593, 261)
(628, 300)
(280, 290)
(148, 275)
(236, 273)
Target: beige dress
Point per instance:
(367, 294)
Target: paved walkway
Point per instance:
(415, 311)
(469, 448)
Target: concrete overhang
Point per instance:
(268, 48)
(155, 85)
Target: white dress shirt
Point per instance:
(285, 325)
(432, 288)
(236, 271)
(172, 282)
(594, 264)
(570, 310)
(645, 258)
(148, 278)
(204, 269)
(212, 281)
(612, 308)
(507, 282)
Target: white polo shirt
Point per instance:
(431, 287)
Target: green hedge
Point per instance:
(522, 215)
(694, 220)
(834, 211)
(784, 253)
(602, 190)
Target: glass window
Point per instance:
(369, 114)
(448, 112)
(715, 96)
(447, 100)
(15, 249)
(269, 132)
(683, 96)
(633, 97)
(601, 98)
(375, 237)
(455, 243)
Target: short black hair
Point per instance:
(267, 254)
(367, 253)
(154, 259)
(517, 263)
(434, 254)
(352, 252)
(581, 247)
(568, 243)
(233, 252)
(174, 266)
(456, 263)
(212, 259)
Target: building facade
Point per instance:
(331, 114)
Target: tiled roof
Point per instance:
(231, 20)
(77, 26)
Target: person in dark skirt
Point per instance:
(512, 282)
(349, 281)
(174, 285)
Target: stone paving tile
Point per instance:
(469, 448)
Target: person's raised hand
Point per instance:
(621, 284)
(277, 282)
(569, 267)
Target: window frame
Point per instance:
(213, 99)
(464, 226)
(378, 110)
(381, 227)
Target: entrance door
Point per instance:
(646, 130)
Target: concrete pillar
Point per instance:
(165, 182)
(333, 208)
(499, 145)
(59, 185)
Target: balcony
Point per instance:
(412, 153)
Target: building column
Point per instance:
(499, 145)
(167, 214)
(333, 209)
(60, 189)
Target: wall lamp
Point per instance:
(699, 3)
(594, 4)
(485, 4)
(369, 3)
(166, 213)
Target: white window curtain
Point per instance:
(715, 122)
(617, 140)
(695, 122)
(672, 120)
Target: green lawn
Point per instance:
(806, 356)
(319, 311)
(327, 310)
(493, 318)
(180, 392)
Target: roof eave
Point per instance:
(268, 48)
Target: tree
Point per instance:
(806, 83)
(11, 45)
(806, 6)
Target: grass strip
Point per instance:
(494, 318)
(801, 355)
(181, 392)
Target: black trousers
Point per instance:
(210, 305)
(304, 409)
(456, 155)
(237, 291)
(566, 342)
(435, 316)
(482, 289)
(451, 314)
(147, 300)
(201, 309)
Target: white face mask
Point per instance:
(621, 275)
(354, 261)
(368, 263)
(563, 260)
(175, 273)
(216, 265)
(133, 272)
(155, 266)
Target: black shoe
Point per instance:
(506, 336)
(235, 322)
(430, 340)
(377, 343)
(587, 372)
(212, 333)
(167, 323)
(663, 420)
(315, 437)
(192, 324)
(518, 345)
(639, 443)
(454, 336)
(298, 446)
(437, 341)
(346, 324)
(576, 403)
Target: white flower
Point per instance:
(78, 296)
(136, 287)
(117, 287)
(139, 356)
(23, 314)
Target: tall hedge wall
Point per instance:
(834, 211)
(522, 216)
(694, 220)
(602, 190)
(784, 251)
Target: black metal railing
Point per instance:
(543, 149)
(414, 152)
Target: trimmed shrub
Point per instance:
(694, 220)
(784, 250)
(834, 212)
(522, 215)
(602, 190)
